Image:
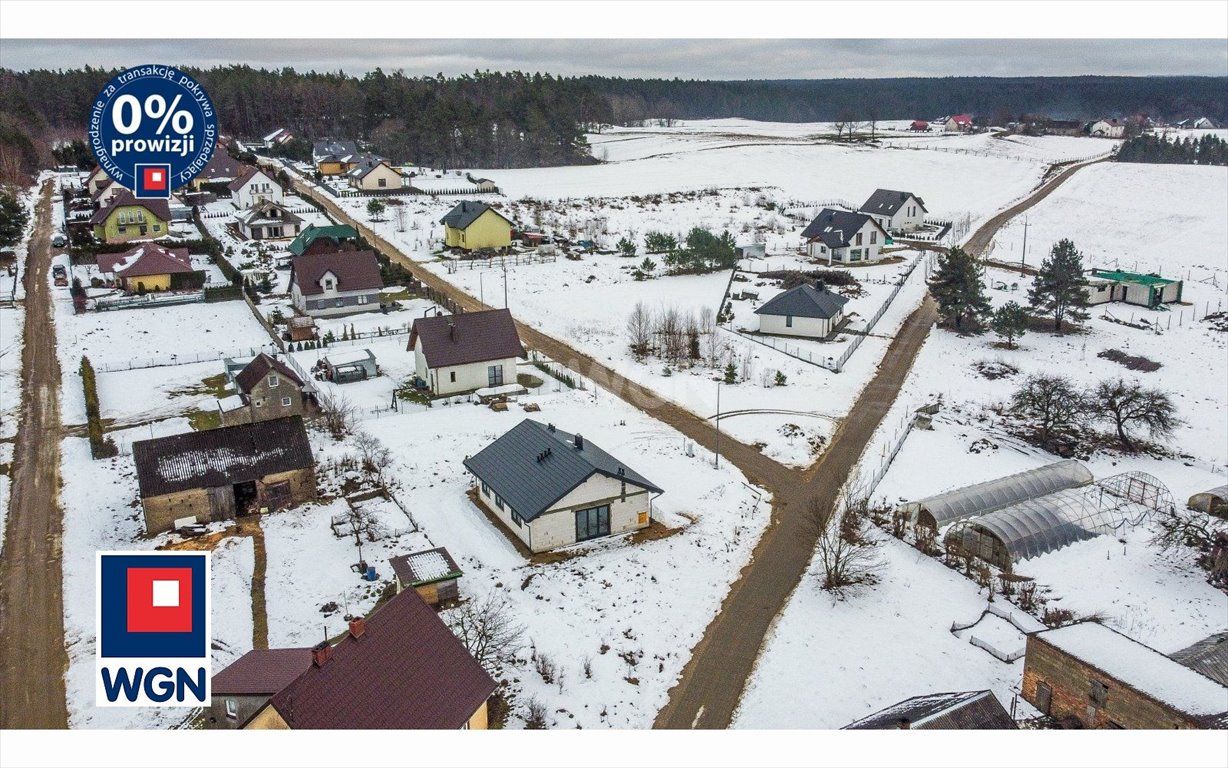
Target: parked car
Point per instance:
(60, 274)
(60, 240)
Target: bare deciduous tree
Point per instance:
(337, 411)
(1127, 405)
(847, 556)
(1052, 405)
(375, 457)
(639, 330)
(488, 629)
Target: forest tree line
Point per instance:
(1206, 150)
(515, 119)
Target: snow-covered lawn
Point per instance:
(893, 641)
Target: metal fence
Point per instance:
(171, 360)
(510, 260)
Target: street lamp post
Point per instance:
(717, 457)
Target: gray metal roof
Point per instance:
(534, 465)
(805, 300)
(886, 202)
(466, 212)
(1208, 657)
(331, 148)
(970, 710)
(835, 228)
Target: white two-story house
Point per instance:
(254, 186)
(845, 237)
(895, 211)
(332, 284)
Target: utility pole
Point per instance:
(717, 457)
(1023, 255)
(481, 291)
(505, 282)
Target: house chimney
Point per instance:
(579, 442)
(358, 626)
(819, 286)
(451, 329)
(321, 654)
(550, 427)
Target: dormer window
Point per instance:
(329, 283)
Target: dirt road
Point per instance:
(31, 603)
(707, 693)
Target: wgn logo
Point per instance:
(153, 629)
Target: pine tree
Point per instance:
(1060, 288)
(13, 218)
(1010, 321)
(958, 289)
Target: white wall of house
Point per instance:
(258, 188)
(910, 216)
(381, 176)
(332, 302)
(869, 249)
(268, 231)
(557, 526)
(809, 327)
(1108, 130)
(452, 379)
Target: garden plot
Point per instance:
(629, 610)
(187, 333)
(101, 513)
(151, 394)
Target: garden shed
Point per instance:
(1051, 521)
(973, 500)
(1213, 501)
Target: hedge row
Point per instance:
(101, 447)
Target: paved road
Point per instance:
(711, 684)
(33, 663)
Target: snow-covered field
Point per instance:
(1159, 599)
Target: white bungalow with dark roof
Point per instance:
(334, 284)
(372, 174)
(808, 310)
(895, 211)
(844, 236)
(552, 489)
(461, 353)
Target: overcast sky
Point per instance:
(701, 59)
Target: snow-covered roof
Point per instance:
(229, 403)
(1140, 667)
(425, 567)
(348, 357)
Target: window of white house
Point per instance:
(498, 501)
(855, 254)
(858, 241)
(363, 299)
(339, 303)
(285, 402)
(452, 376)
(274, 380)
(485, 489)
(328, 284)
(232, 708)
(788, 321)
(383, 182)
(517, 519)
(873, 237)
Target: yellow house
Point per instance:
(149, 267)
(399, 668)
(335, 158)
(127, 218)
(472, 226)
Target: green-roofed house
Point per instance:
(472, 225)
(328, 239)
(1105, 285)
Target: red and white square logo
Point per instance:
(160, 600)
(154, 178)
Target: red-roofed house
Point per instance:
(461, 353)
(240, 690)
(400, 668)
(919, 125)
(958, 124)
(332, 284)
(127, 218)
(150, 267)
(254, 186)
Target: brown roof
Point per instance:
(259, 367)
(159, 208)
(146, 259)
(222, 456)
(354, 270)
(407, 671)
(469, 337)
(424, 567)
(221, 166)
(264, 671)
(246, 176)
